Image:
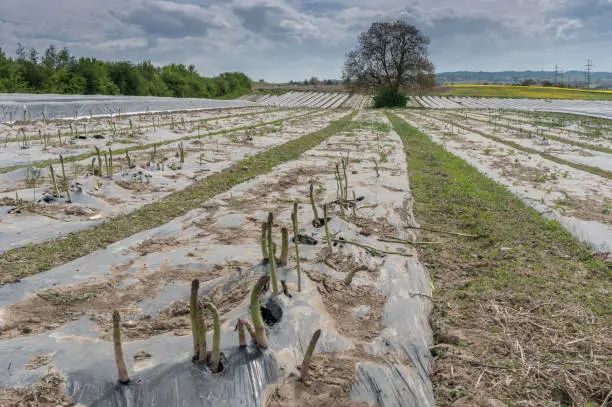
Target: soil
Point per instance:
(175, 318)
(54, 210)
(345, 264)
(51, 308)
(142, 187)
(586, 209)
(380, 226)
(156, 246)
(38, 362)
(340, 301)
(47, 392)
(332, 377)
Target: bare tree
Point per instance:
(390, 56)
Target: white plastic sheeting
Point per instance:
(594, 108)
(597, 235)
(323, 100)
(17, 106)
(171, 380)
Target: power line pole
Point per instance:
(556, 75)
(589, 67)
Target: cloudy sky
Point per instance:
(279, 40)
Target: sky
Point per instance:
(282, 40)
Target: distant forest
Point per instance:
(56, 71)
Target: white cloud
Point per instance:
(295, 39)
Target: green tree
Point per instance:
(390, 56)
(59, 72)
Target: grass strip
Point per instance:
(121, 151)
(548, 135)
(522, 315)
(18, 263)
(586, 168)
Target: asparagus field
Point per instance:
(282, 222)
(301, 250)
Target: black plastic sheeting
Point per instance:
(246, 374)
(16, 106)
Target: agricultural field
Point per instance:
(406, 257)
(560, 167)
(592, 109)
(531, 92)
(58, 296)
(25, 106)
(324, 100)
(102, 168)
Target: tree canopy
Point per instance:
(60, 72)
(390, 56)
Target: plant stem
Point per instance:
(294, 218)
(304, 371)
(397, 240)
(99, 161)
(110, 163)
(284, 247)
(264, 239)
(349, 277)
(215, 356)
(66, 183)
(202, 328)
(370, 248)
(271, 256)
(250, 329)
(316, 221)
(260, 330)
(344, 165)
(106, 163)
(340, 182)
(241, 334)
(124, 377)
(193, 310)
(329, 244)
(55, 187)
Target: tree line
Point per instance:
(57, 71)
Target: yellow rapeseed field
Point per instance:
(507, 91)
